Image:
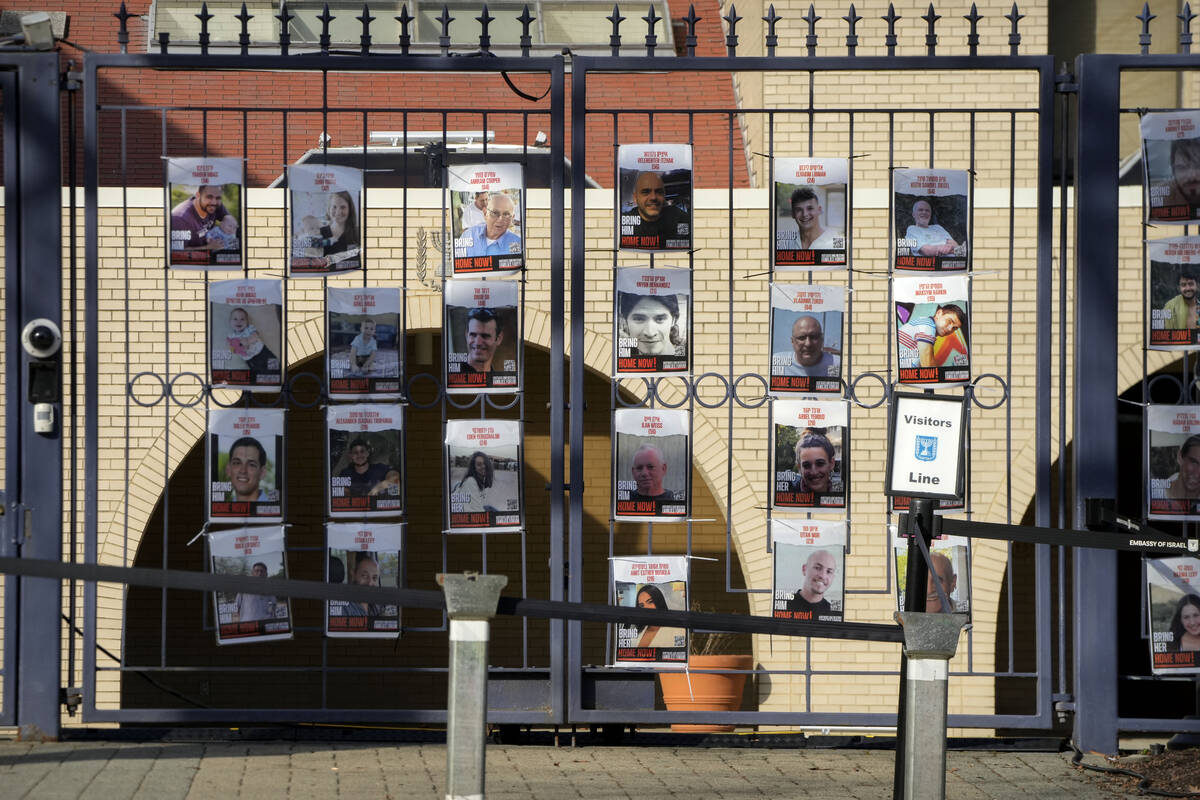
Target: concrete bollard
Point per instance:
(471, 601)
(930, 641)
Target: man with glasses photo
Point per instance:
(492, 237)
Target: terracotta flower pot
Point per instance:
(709, 691)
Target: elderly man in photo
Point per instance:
(649, 468)
(808, 355)
(192, 220)
(818, 572)
(493, 237)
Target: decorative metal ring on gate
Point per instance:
(696, 389)
(760, 398)
(1174, 379)
(453, 402)
(974, 394)
(322, 395)
(239, 398)
(490, 401)
(437, 385)
(278, 396)
(201, 389)
(638, 402)
(162, 389)
(852, 390)
(687, 390)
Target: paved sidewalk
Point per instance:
(265, 770)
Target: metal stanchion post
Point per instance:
(471, 601)
(930, 641)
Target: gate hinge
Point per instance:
(71, 81)
(1064, 83)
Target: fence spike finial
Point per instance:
(526, 19)
(405, 19)
(891, 19)
(651, 19)
(123, 31)
(285, 18)
(731, 40)
(690, 20)
(364, 40)
(1144, 36)
(852, 19)
(614, 39)
(931, 17)
(244, 36)
(812, 19)
(445, 19)
(1185, 32)
(973, 36)
(484, 19)
(204, 17)
(325, 17)
(772, 19)
(1014, 37)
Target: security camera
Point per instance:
(41, 338)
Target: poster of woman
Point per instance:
(487, 215)
(363, 343)
(652, 321)
(245, 465)
(204, 213)
(810, 212)
(1172, 309)
(366, 459)
(245, 326)
(658, 582)
(363, 554)
(654, 197)
(806, 339)
(932, 335)
(809, 569)
(1173, 603)
(1173, 461)
(811, 466)
(482, 335)
(932, 217)
(326, 219)
(483, 475)
(1171, 155)
(652, 464)
(258, 552)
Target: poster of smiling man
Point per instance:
(486, 217)
(809, 572)
(365, 459)
(245, 325)
(652, 464)
(810, 212)
(326, 216)
(363, 343)
(483, 475)
(204, 213)
(245, 464)
(951, 556)
(654, 197)
(1172, 309)
(932, 335)
(806, 339)
(811, 458)
(363, 554)
(259, 552)
(932, 215)
(482, 335)
(652, 318)
(1173, 604)
(1173, 461)
(1171, 155)
(657, 582)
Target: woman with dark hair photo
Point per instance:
(1185, 624)
(650, 596)
(476, 484)
(652, 320)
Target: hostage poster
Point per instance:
(245, 465)
(810, 454)
(204, 213)
(809, 569)
(487, 217)
(932, 335)
(483, 475)
(932, 215)
(806, 339)
(1173, 603)
(363, 343)
(810, 212)
(363, 554)
(652, 464)
(1171, 155)
(366, 457)
(1173, 461)
(246, 334)
(951, 569)
(326, 217)
(1172, 307)
(482, 336)
(658, 582)
(259, 552)
(653, 321)
(654, 197)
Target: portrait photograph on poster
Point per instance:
(483, 475)
(1173, 461)
(932, 215)
(363, 343)
(486, 217)
(932, 335)
(204, 213)
(951, 556)
(810, 561)
(245, 464)
(482, 335)
(366, 459)
(1171, 155)
(811, 454)
(653, 320)
(810, 212)
(245, 328)
(259, 552)
(654, 197)
(806, 338)
(1172, 307)
(658, 582)
(652, 464)
(326, 219)
(363, 554)
(1173, 604)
